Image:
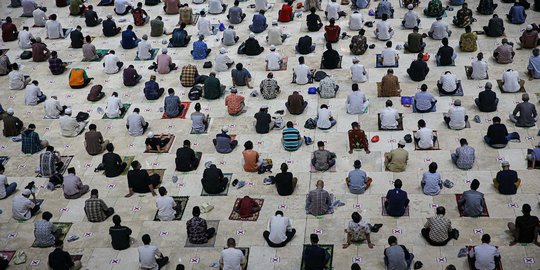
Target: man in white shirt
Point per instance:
(22, 208)
(114, 106)
(356, 21)
(275, 35)
(389, 55)
(144, 49)
(33, 95)
(54, 28)
(485, 255)
(511, 81)
(216, 6)
(424, 136)
(167, 207)
(40, 18)
(383, 30)
(273, 59)
(135, 123)
(456, 117)
(69, 126)
(389, 116)
(262, 5)
(439, 29)
(301, 73)
(111, 63)
(280, 231)
(53, 109)
(150, 258)
(357, 103)
(448, 83)
(479, 68)
(73, 186)
(358, 72)
(411, 18)
(122, 7)
(324, 118)
(223, 61)
(204, 26)
(6, 189)
(17, 79)
(332, 10)
(24, 38)
(232, 258)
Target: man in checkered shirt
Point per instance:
(438, 229)
(96, 210)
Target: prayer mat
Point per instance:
(66, 160)
(378, 62)
(529, 162)
(467, 125)
(468, 71)
(107, 3)
(159, 172)
(500, 83)
(485, 213)
(195, 18)
(400, 123)
(153, 55)
(64, 226)
(405, 51)
(205, 129)
(165, 148)
(127, 160)
(212, 241)
(282, 65)
(3, 51)
(436, 145)
(182, 114)
(313, 170)
(4, 160)
(459, 91)
(223, 193)
(470, 261)
(379, 90)
(180, 200)
(126, 106)
(67, 31)
(235, 216)
(328, 248)
(8, 254)
(76, 257)
(101, 52)
(338, 65)
(385, 214)
(38, 26)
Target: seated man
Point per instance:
(30, 142)
(144, 49)
(418, 69)
(93, 141)
(275, 35)
(389, 117)
(356, 21)
(424, 137)
(323, 160)
(258, 23)
(383, 30)
(229, 36)
(319, 201)
(223, 142)
(533, 69)
(305, 45)
(156, 143)
(73, 186)
(151, 90)
(22, 208)
(467, 41)
(448, 83)
(6, 189)
(269, 87)
(358, 230)
(485, 255)
(356, 102)
(357, 180)
(251, 161)
(486, 7)
(112, 162)
(359, 72)
(431, 181)
(313, 20)
(13, 126)
(180, 37)
(497, 134)
(70, 126)
(273, 59)
(390, 85)
(524, 115)
(411, 18)
(456, 118)
(172, 105)
(213, 89)
(50, 162)
(247, 207)
(517, 14)
(506, 181)
(397, 200)
(285, 182)
(240, 77)
(504, 53)
(464, 155)
(464, 17)
(314, 256)
(91, 17)
(495, 27)
(324, 118)
(332, 32)
(424, 101)
(129, 38)
(223, 61)
(171, 7)
(186, 159)
(139, 181)
(396, 159)
(396, 256)
(130, 76)
(213, 181)
(438, 230)
(231, 257)
(389, 56)
(439, 28)
(56, 65)
(487, 100)
(291, 139)
(135, 124)
(434, 9)
(17, 79)
(96, 209)
(384, 8)
(44, 231)
(525, 228)
(295, 103)
(472, 201)
(199, 121)
(109, 27)
(235, 103)
(111, 63)
(167, 208)
(280, 230)
(190, 76)
(200, 49)
(330, 58)
(445, 55)
(186, 14)
(235, 14)
(302, 74)
(9, 30)
(359, 44)
(140, 17)
(327, 87)
(252, 46)
(357, 138)
(529, 39)
(532, 158)
(120, 235)
(479, 68)
(197, 228)
(33, 95)
(216, 7)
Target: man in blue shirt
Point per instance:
(362, 3)
(223, 142)
(533, 156)
(258, 23)
(200, 49)
(180, 37)
(507, 181)
(424, 101)
(152, 91)
(173, 107)
(129, 39)
(357, 181)
(396, 200)
(517, 14)
(534, 65)
(314, 256)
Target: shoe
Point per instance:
(50, 186)
(476, 118)
(72, 238)
(234, 182)
(280, 112)
(174, 179)
(241, 184)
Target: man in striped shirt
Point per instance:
(291, 139)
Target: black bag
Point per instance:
(195, 92)
(408, 138)
(207, 64)
(310, 124)
(319, 75)
(56, 179)
(26, 55)
(241, 48)
(82, 116)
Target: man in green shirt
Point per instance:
(213, 89)
(156, 27)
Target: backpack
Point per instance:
(514, 136)
(82, 116)
(279, 123)
(319, 75)
(56, 179)
(26, 55)
(266, 166)
(242, 48)
(195, 92)
(310, 124)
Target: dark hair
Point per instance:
(54, 53)
(301, 60)
(463, 141)
(526, 208)
(284, 167)
(355, 216)
(392, 240)
(196, 211)
(423, 88)
(248, 145)
(496, 119)
(239, 66)
(279, 212)
(170, 91)
(433, 167)
(187, 143)
(384, 17)
(231, 242)
(71, 170)
(475, 184)
(136, 110)
(134, 164)
(116, 220)
(486, 238)
(110, 147)
(398, 183)
(389, 44)
(92, 127)
(94, 192)
(58, 243)
(440, 210)
(49, 148)
(357, 164)
(445, 41)
(320, 144)
(354, 87)
(130, 27)
(2, 168)
(46, 215)
(421, 123)
(314, 238)
(355, 266)
(31, 126)
(290, 124)
(162, 191)
(146, 239)
(388, 103)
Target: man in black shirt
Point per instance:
(119, 234)
(140, 182)
(315, 257)
(252, 46)
(495, 27)
(77, 38)
(525, 229)
(314, 22)
(186, 159)
(213, 181)
(61, 260)
(506, 181)
(305, 45)
(92, 18)
(157, 143)
(487, 100)
(109, 27)
(112, 162)
(330, 58)
(445, 56)
(285, 182)
(418, 69)
(263, 121)
(497, 134)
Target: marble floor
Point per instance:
(137, 212)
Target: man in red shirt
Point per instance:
(332, 31)
(9, 30)
(286, 13)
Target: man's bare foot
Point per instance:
(367, 151)
(350, 151)
(370, 245)
(513, 243)
(128, 195)
(346, 245)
